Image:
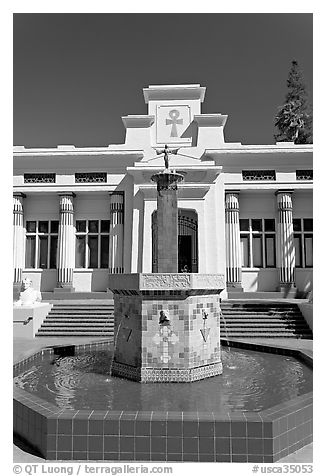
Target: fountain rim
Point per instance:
(299, 354)
(50, 415)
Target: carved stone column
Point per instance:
(167, 221)
(116, 233)
(18, 235)
(66, 243)
(285, 254)
(232, 238)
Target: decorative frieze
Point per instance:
(91, 177)
(166, 281)
(249, 175)
(39, 178)
(304, 174)
(148, 375)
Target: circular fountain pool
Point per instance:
(251, 381)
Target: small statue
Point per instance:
(166, 151)
(185, 269)
(164, 317)
(28, 296)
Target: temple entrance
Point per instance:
(187, 241)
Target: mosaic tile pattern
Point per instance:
(254, 437)
(189, 340)
(148, 375)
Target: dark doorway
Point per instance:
(184, 254)
(187, 241)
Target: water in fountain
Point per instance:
(226, 330)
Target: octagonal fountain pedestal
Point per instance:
(167, 326)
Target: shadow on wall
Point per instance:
(100, 280)
(304, 280)
(42, 280)
(262, 280)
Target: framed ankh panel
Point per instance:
(172, 123)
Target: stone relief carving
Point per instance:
(209, 281)
(166, 281)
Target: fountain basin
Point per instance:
(263, 436)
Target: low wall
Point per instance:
(28, 319)
(306, 309)
(256, 437)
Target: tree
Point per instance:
(294, 118)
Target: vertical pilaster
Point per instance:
(116, 233)
(66, 243)
(232, 239)
(285, 256)
(18, 236)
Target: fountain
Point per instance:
(172, 333)
(167, 329)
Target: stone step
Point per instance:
(260, 309)
(263, 325)
(262, 331)
(236, 295)
(75, 333)
(83, 308)
(76, 296)
(81, 313)
(78, 319)
(261, 318)
(262, 313)
(261, 322)
(266, 336)
(84, 328)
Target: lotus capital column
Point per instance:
(116, 233)
(285, 241)
(18, 232)
(66, 243)
(232, 238)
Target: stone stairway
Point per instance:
(79, 318)
(245, 319)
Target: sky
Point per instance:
(75, 75)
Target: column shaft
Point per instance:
(116, 233)
(18, 235)
(232, 236)
(285, 239)
(66, 242)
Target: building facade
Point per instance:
(81, 214)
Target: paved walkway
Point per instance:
(25, 347)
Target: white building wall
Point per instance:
(41, 207)
(91, 207)
(258, 205)
(303, 208)
(146, 235)
(302, 204)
